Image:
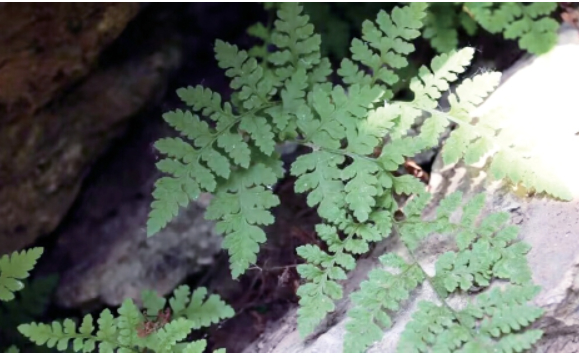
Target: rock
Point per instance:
(47, 47)
(103, 252)
(537, 93)
(49, 137)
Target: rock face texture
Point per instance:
(49, 137)
(542, 104)
(103, 252)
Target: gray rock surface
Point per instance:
(542, 100)
(103, 253)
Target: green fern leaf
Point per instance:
(107, 332)
(152, 302)
(128, 321)
(427, 322)
(164, 339)
(361, 189)
(294, 36)
(200, 309)
(440, 26)
(14, 268)
(529, 23)
(519, 342)
(511, 160)
(386, 42)
(319, 174)
(196, 347)
(241, 206)
(381, 292)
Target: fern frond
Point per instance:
(14, 268)
(197, 307)
(152, 302)
(440, 26)
(487, 251)
(241, 206)
(128, 321)
(164, 339)
(298, 46)
(477, 328)
(386, 42)
(529, 23)
(428, 87)
(196, 347)
(319, 173)
(512, 159)
(58, 335)
(382, 292)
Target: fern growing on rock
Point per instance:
(157, 329)
(358, 138)
(495, 321)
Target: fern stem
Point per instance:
(338, 152)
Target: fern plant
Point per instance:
(158, 329)
(358, 138)
(494, 321)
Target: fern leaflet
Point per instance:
(14, 268)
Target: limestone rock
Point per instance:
(539, 95)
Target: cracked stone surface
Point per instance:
(541, 98)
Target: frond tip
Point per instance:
(14, 268)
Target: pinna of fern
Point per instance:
(14, 268)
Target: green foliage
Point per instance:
(442, 23)
(358, 137)
(529, 23)
(14, 268)
(493, 322)
(382, 291)
(29, 304)
(134, 331)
